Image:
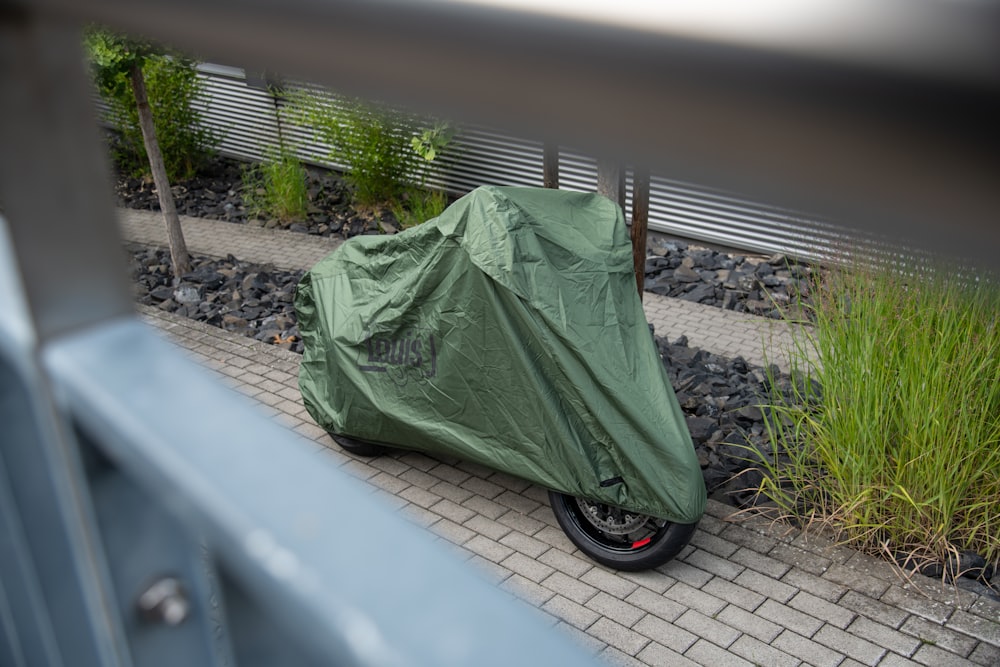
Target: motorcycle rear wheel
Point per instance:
(618, 538)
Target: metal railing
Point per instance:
(132, 527)
(147, 515)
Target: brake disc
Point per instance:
(611, 520)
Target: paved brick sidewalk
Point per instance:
(283, 249)
(742, 593)
(756, 339)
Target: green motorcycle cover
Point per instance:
(507, 331)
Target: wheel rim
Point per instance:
(614, 528)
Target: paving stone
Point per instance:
(452, 532)
(749, 623)
(884, 636)
(859, 581)
(822, 545)
(716, 632)
(617, 635)
(422, 463)
(526, 590)
(527, 567)
(657, 654)
(860, 649)
(893, 660)
(388, 482)
(489, 549)
(521, 522)
(545, 515)
(487, 527)
(486, 507)
(453, 511)
(617, 610)
(609, 582)
(524, 544)
(986, 654)
(917, 604)
(311, 432)
(570, 587)
(455, 494)
(803, 624)
(976, 626)
(695, 599)
(817, 586)
(988, 609)
(814, 606)
(477, 471)
(934, 656)
(929, 632)
(571, 612)
(481, 487)
(418, 496)
(711, 525)
(765, 585)
(419, 478)
(873, 609)
(806, 649)
(651, 579)
(873, 566)
(565, 563)
(511, 482)
(389, 465)
(664, 633)
(690, 575)
(747, 537)
(712, 544)
(655, 604)
(760, 653)
(449, 473)
(760, 563)
(734, 594)
(537, 493)
(516, 501)
(713, 564)
(708, 654)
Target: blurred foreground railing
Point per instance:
(147, 515)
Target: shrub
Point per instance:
(892, 431)
(172, 85)
(383, 150)
(276, 188)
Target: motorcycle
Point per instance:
(508, 332)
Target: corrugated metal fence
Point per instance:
(250, 119)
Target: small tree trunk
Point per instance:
(550, 166)
(175, 237)
(611, 181)
(640, 224)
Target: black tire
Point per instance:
(358, 447)
(618, 538)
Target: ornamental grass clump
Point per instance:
(890, 429)
(276, 188)
(384, 151)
